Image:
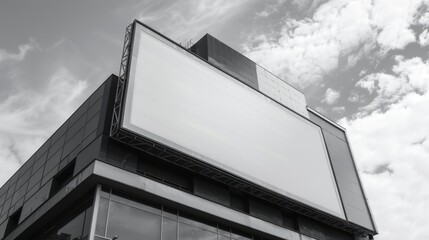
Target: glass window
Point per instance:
(169, 229)
(303, 237)
(225, 231)
(102, 217)
(129, 223)
(188, 232)
(223, 238)
(198, 224)
(131, 220)
(135, 204)
(172, 214)
(240, 235)
(99, 238)
(87, 223)
(72, 230)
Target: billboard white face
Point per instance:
(181, 101)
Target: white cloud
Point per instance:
(424, 19)
(28, 118)
(409, 75)
(354, 97)
(424, 38)
(394, 18)
(23, 50)
(392, 150)
(331, 96)
(269, 8)
(263, 14)
(186, 19)
(398, 198)
(339, 110)
(307, 50)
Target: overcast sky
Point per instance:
(363, 63)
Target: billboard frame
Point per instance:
(197, 166)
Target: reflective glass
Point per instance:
(102, 217)
(129, 223)
(223, 238)
(87, 223)
(188, 232)
(303, 237)
(240, 236)
(197, 224)
(224, 231)
(135, 204)
(72, 230)
(169, 229)
(172, 214)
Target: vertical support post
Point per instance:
(95, 212)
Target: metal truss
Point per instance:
(189, 44)
(123, 72)
(199, 167)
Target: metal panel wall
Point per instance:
(355, 204)
(227, 59)
(250, 73)
(280, 91)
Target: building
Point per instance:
(197, 143)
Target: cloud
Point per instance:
(27, 118)
(339, 110)
(308, 50)
(184, 20)
(263, 14)
(393, 18)
(409, 76)
(23, 50)
(424, 38)
(355, 97)
(331, 96)
(424, 19)
(391, 148)
(398, 194)
(269, 8)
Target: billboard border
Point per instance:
(195, 165)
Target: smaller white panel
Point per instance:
(280, 91)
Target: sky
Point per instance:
(362, 63)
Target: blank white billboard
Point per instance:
(181, 101)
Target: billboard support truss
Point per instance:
(123, 72)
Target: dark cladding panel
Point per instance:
(319, 230)
(227, 59)
(349, 186)
(200, 48)
(35, 201)
(211, 190)
(29, 187)
(327, 126)
(265, 212)
(348, 182)
(2, 229)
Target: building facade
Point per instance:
(105, 175)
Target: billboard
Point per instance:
(179, 100)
